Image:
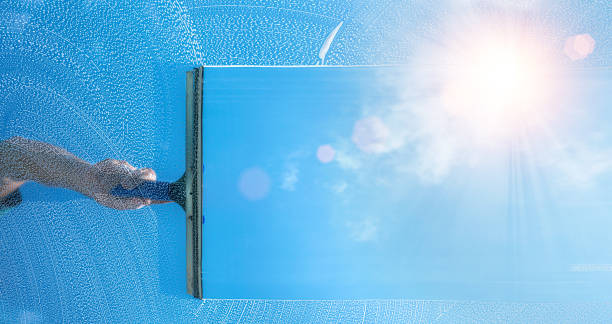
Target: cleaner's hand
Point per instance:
(110, 173)
(23, 160)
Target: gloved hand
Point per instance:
(110, 173)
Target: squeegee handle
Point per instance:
(154, 190)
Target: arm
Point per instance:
(24, 160)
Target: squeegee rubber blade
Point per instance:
(194, 181)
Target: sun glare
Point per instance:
(497, 83)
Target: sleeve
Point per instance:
(10, 201)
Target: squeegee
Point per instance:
(187, 191)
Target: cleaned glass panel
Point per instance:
(372, 182)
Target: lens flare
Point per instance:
(325, 153)
(578, 47)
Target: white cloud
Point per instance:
(347, 161)
(339, 187)
(290, 178)
(371, 135)
(418, 134)
(576, 163)
(435, 159)
(363, 230)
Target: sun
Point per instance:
(496, 81)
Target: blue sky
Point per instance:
(454, 221)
